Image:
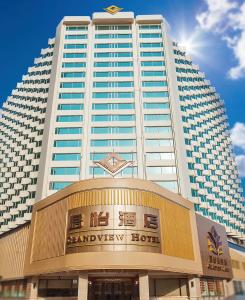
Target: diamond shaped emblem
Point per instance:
(113, 9)
(113, 163)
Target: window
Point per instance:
(57, 287)
(159, 142)
(129, 156)
(113, 45)
(158, 129)
(152, 54)
(59, 185)
(75, 46)
(72, 74)
(67, 85)
(73, 65)
(105, 84)
(211, 287)
(113, 54)
(151, 45)
(113, 143)
(65, 171)
(106, 95)
(66, 156)
(75, 36)
(113, 36)
(154, 83)
(74, 55)
(160, 155)
(113, 64)
(161, 170)
(71, 95)
(153, 73)
(110, 118)
(152, 63)
(69, 119)
(112, 106)
(166, 288)
(75, 28)
(149, 27)
(112, 130)
(69, 130)
(154, 105)
(114, 74)
(150, 35)
(157, 117)
(112, 27)
(67, 143)
(169, 185)
(70, 106)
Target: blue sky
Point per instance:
(216, 30)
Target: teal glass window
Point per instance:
(107, 64)
(68, 85)
(69, 119)
(159, 142)
(152, 63)
(106, 84)
(74, 55)
(153, 73)
(110, 118)
(150, 35)
(75, 46)
(160, 156)
(66, 156)
(157, 117)
(70, 107)
(59, 185)
(112, 106)
(114, 36)
(65, 171)
(129, 156)
(113, 143)
(71, 95)
(154, 83)
(73, 65)
(112, 130)
(76, 36)
(149, 27)
(151, 45)
(161, 170)
(155, 94)
(153, 105)
(75, 28)
(114, 74)
(113, 54)
(72, 74)
(106, 95)
(67, 143)
(68, 130)
(158, 129)
(169, 185)
(152, 54)
(113, 45)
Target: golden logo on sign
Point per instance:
(113, 163)
(113, 9)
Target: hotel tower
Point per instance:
(115, 121)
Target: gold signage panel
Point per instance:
(113, 228)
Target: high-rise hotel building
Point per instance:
(116, 84)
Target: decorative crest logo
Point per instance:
(113, 164)
(214, 242)
(113, 9)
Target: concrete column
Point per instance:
(194, 288)
(229, 288)
(83, 287)
(144, 287)
(32, 288)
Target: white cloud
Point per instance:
(227, 19)
(238, 139)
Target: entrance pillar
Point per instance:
(229, 288)
(194, 288)
(83, 287)
(144, 287)
(32, 288)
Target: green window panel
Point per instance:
(67, 143)
(65, 171)
(71, 95)
(152, 63)
(117, 95)
(106, 84)
(159, 142)
(74, 55)
(152, 54)
(112, 130)
(69, 119)
(111, 118)
(75, 46)
(158, 117)
(113, 45)
(67, 85)
(76, 36)
(66, 156)
(112, 106)
(151, 45)
(158, 129)
(153, 105)
(73, 65)
(161, 170)
(76, 28)
(70, 107)
(68, 130)
(113, 143)
(153, 73)
(113, 54)
(59, 185)
(72, 74)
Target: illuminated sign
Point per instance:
(113, 228)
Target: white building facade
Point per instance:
(117, 83)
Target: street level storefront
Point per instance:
(106, 239)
